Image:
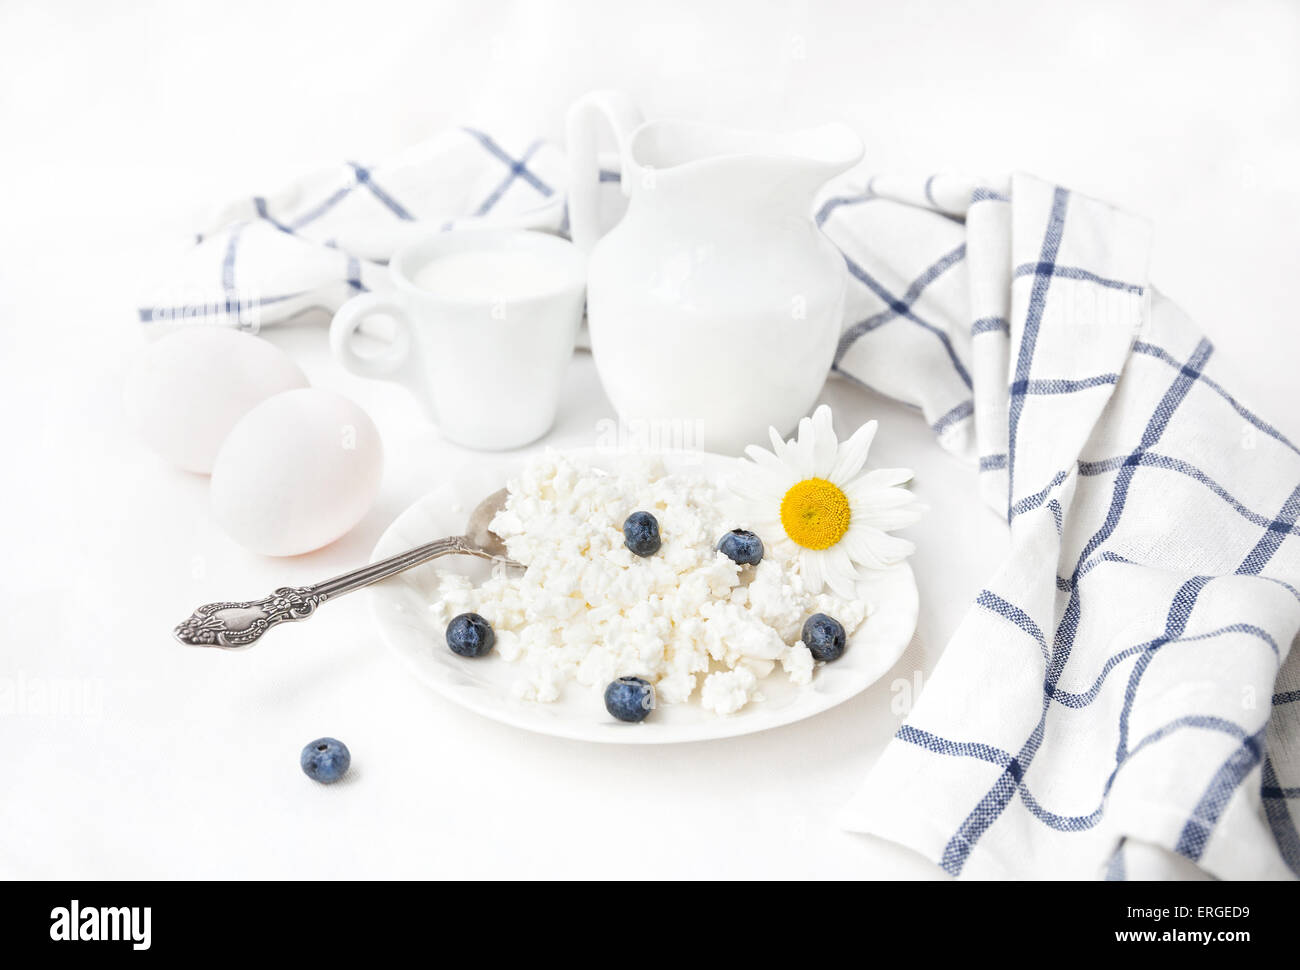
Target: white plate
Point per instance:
(483, 685)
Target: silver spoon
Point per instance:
(233, 625)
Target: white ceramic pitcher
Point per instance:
(716, 302)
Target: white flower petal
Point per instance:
(887, 520)
(841, 576)
(779, 447)
(810, 561)
(766, 460)
(886, 477)
(762, 484)
(882, 549)
(750, 487)
(782, 547)
(863, 498)
(825, 446)
(800, 453)
(853, 454)
(857, 543)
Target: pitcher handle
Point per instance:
(612, 108)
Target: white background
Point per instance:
(120, 124)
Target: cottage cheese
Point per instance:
(587, 610)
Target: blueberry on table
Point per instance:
(325, 760)
(641, 533)
(824, 637)
(469, 635)
(630, 698)
(742, 547)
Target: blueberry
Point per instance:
(824, 637)
(742, 547)
(469, 635)
(641, 533)
(325, 760)
(630, 698)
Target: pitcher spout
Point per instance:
(826, 151)
(778, 170)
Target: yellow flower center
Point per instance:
(815, 513)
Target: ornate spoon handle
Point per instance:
(238, 624)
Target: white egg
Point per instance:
(187, 390)
(296, 472)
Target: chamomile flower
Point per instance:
(811, 496)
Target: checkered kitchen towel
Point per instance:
(328, 236)
(1119, 699)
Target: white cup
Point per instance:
(483, 337)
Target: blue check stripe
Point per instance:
(1060, 385)
(259, 203)
(903, 310)
(1149, 459)
(1115, 871)
(830, 205)
(990, 325)
(1196, 832)
(929, 194)
(1284, 584)
(229, 307)
(361, 176)
(901, 306)
(1159, 353)
(364, 178)
(1271, 540)
(1074, 273)
(353, 274)
(1205, 816)
(1152, 460)
(1180, 611)
(1083, 699)
(956, 749)
(228, 261)
(1033, 320)
(996, 604)
(1014, 614)
(311, 215)
(1273, 791)
(1012, 779)
(1279, 817)
(1031, 502)
(960, 413)
(518, 167)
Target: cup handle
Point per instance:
(394, 363)
(616, 110)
